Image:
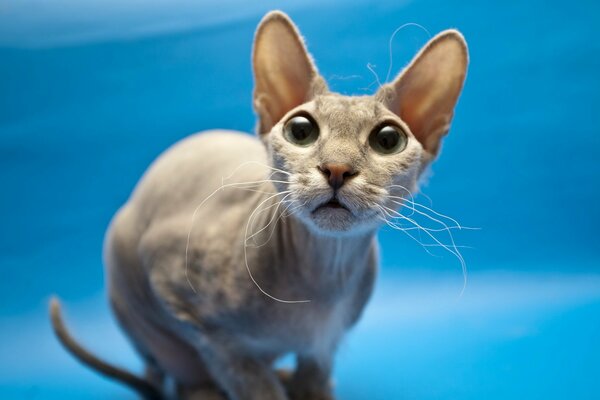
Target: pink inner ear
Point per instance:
(283, 70)
(426, 92)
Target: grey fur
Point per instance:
(191, 307)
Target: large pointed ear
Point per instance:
(284, 73)
(424, 93)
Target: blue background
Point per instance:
(91, 92)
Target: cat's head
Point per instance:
(346, 157)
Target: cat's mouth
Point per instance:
(332, 204)
(333, 215)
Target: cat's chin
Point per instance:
(332, 220)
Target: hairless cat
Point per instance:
(234, 250)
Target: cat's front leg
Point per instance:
(236, 370)
(240, 375)
(311, 380)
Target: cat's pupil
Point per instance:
(388, 137)
(301, 128)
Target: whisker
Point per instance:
(412, 199)
(453, 249)
(402, 216)
(427, 197)
(246, 260)
(281, 215)
(277, 204)
(413, 203)
(253, 183)
(255, 190)
(455, 252)
(399, 228)
(391, 60)
(253, 223)
(457, 246)
(258, 163)
(370, 67)
(291, 212)
(223, 186)
(420, 228)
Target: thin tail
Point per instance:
(142, 386)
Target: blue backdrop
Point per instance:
(91, 92)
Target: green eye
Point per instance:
(301, 130)
(388, 139)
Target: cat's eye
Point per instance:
(388, 139)
(301, 130)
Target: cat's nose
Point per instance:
(337, 174)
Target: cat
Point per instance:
(234, 250)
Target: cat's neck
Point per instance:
(326, 256)
(292, 261)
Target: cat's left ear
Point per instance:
(424, 93)
(284, 73)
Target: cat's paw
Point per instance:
(204, 393)
(285, 376)
(300, 391)
(302, 394)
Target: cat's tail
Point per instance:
(147, 390)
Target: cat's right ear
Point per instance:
(285, 75)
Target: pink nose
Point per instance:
(337, 174)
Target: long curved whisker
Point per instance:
(281, 215)
(455, 252)
(402, 229)
(246, 259)
(427, 197)
(402, 216)
(291, 212)
(450, 248)
(391, 60)
(252, 184)
(414, 203)
(273, 217)
(438, 245)
(257, 163)
(396, 214)
(222, 187)
(412, 198)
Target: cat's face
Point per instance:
(345, 162)
(356, 136)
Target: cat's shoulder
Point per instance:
(195, 155)
(212, 140)
(193, 168)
